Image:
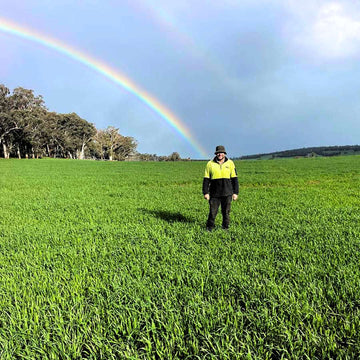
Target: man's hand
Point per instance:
(235, 197)
(207, 197)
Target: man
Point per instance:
(220, 187)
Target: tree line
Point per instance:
(175, 156)
(308, 152)
(29, 129)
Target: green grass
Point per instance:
(102, 260)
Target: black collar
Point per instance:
(216, 160)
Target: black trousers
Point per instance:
(215, 202)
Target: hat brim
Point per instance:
(218, 152)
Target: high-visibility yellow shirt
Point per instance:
(220, 179)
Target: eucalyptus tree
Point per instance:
(110, 144)
(113, 140)
(19, 112)
(6, 126)
(126, 147)
(51, 135)
(99, 144)
(34, 133)
(24, 99)
(85, 132)
(76, 133)
(175, 156)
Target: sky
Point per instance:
(178, 75)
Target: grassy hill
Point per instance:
(307, 152)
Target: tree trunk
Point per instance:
(82, 152)
(18, 152)
(6, 154)
(48, 150)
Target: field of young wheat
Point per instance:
(111, 260)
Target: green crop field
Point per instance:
(111, 260)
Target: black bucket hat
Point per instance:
(220, 149)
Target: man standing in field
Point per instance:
(220, 187)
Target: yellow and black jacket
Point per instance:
(220, 180)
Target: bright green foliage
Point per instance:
(103, 260)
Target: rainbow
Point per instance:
(169, 24)
(12, 28)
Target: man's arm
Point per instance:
(206, 183)
(234, 183)
(205, 188)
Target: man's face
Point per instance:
(220, 156)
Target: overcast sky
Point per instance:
(254, 76)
